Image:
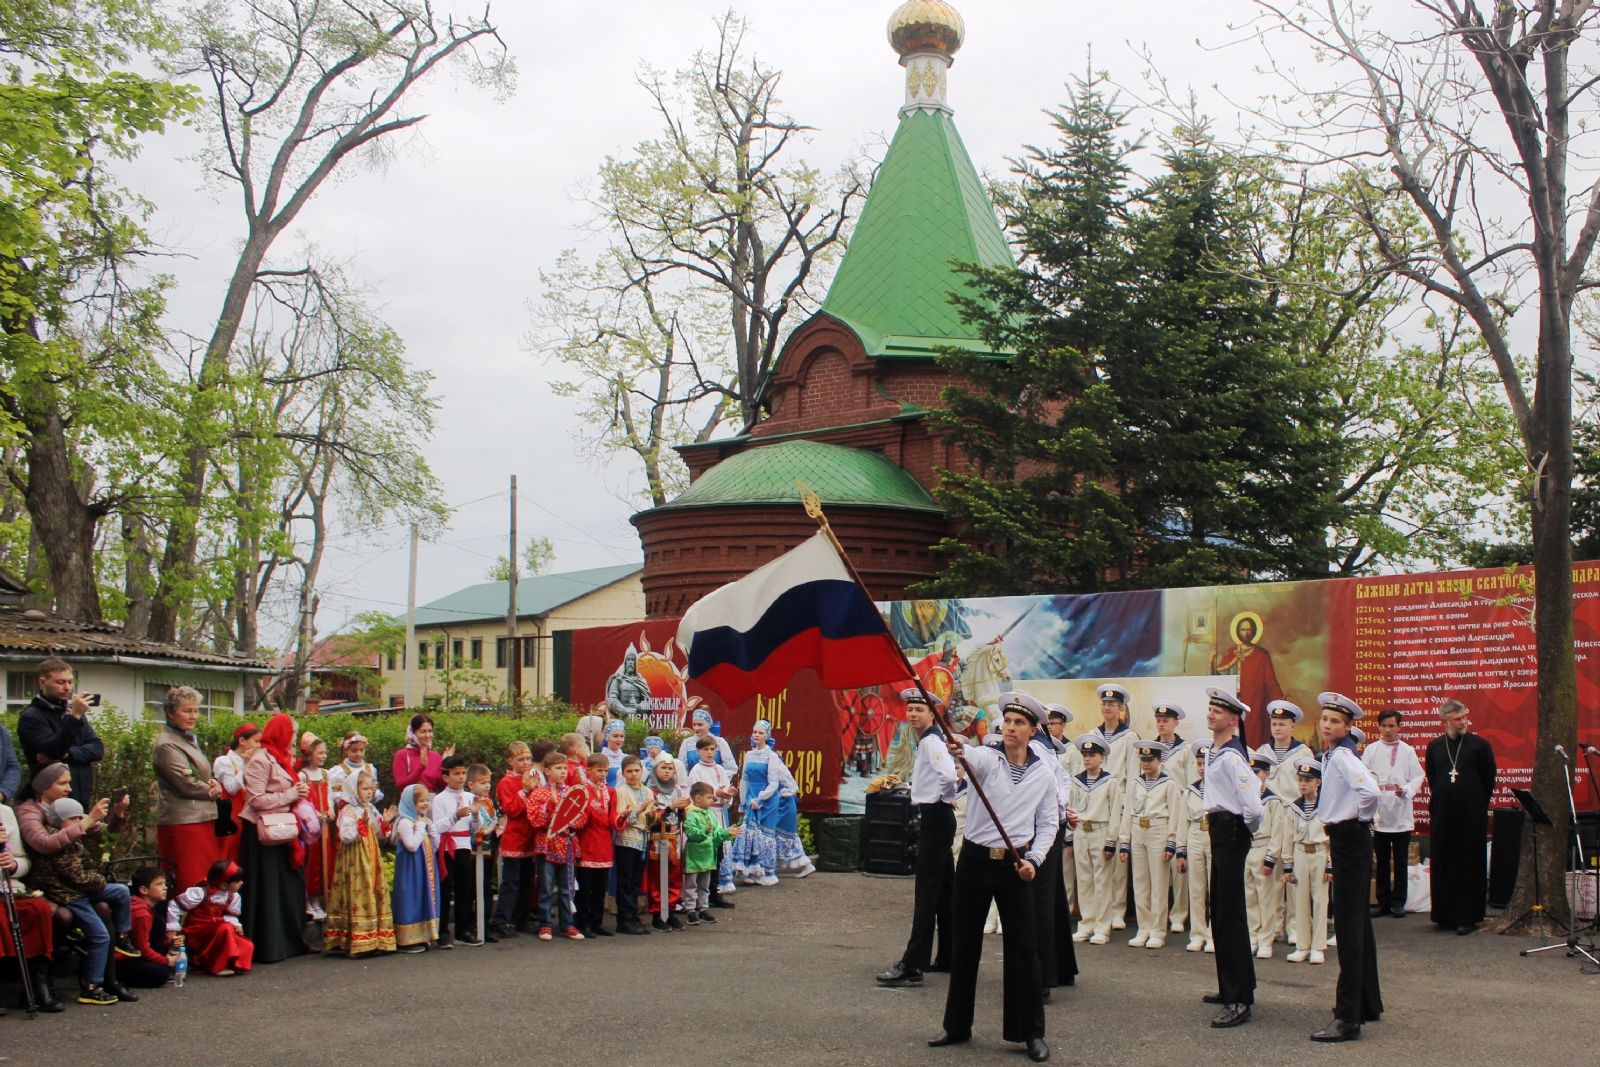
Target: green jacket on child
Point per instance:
(704, 833)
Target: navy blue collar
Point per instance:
(1235, 744)
(932, 731)
(1121, 726)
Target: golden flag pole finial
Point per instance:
(812, 502)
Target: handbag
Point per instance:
(277, 827)
(224, 826)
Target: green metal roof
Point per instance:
(538, 595)
(927, 208)
(841, 476)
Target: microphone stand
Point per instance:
(1575, 933)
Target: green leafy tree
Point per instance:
(538, 556)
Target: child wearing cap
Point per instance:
(1118, 738)
(1148, 841)
(1097, 798)
(1263, 891)
(1194, 856)
(1309, 868)
(1286, 749)
(1177, 760)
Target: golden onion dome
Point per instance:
(926, 26)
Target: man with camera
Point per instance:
(55, 728)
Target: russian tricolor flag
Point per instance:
(801, 610)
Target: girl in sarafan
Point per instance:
(208, 917)
(319, 849)
(416, 875)
(359, 918)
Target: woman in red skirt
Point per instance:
(209, 915)
(35, 915)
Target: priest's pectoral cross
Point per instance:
(1453, 776)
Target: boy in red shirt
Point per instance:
(157, 949)
(595, 853)
(555, 851)
(516, 843)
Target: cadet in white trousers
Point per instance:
(1149, 841)
(1097, 798)
(1282, 718)
(1177, 759)
(1263, 891)
(1056, 719)
(1118, 738)
(1194, 855)
(1309, 870)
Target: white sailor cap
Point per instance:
(1202, 750)
(912, 694)
(1170, 709)
(1340, 703)
(1284, 709)
(1113, 691)
(1307, 767)
(1089, 743)
(1221, 698)
(1358, 735)
(1150, 749)
(1023, 704)
(1262, 759)
(1057, 711)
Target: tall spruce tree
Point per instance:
(1151, 425)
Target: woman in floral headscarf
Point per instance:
(755, 851)
(274, 893)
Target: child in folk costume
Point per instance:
(703, 833)
(359, 918)
(654, 749)
(208, 917)
(767, 793)
(708, 768)
(555, 845)
(1151, 822)
(516, 843)
(636, 806)
(1097, 797)
(1309, 867)
(791, 851)
(416, 873)
(452, 810)
(484, 830)
(320, 851)
(1263, 893)
(352, 760)
(596, 852)
(666, 839)
(228, 770)
(615, 736)
(1194, 855)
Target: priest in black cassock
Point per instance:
(1460, 769)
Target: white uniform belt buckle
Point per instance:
(1205, 822)
(1144, 822)
(1086, 826)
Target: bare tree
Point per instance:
(1473, 109)
(297, 88)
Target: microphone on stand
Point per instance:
(1562, 753)
(1591, 751)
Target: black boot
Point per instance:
(44, 990)
(115, 987)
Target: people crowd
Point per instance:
(285, 832)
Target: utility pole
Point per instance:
(513, 653)
(410, 651)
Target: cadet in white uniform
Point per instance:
(1348, 801)
(1097, 798)
(1151, 822)
(1263, 890)
(1308, 869)
(1283, 717)
(1233, 806)
(1194, 855)
(1118, 737)
(1056, 719)
(1177, 760)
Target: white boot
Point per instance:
(1264, 952)
(1298, 955)
(1196, 943)
(1139, 940)
(1155, 942)
(1317, 957)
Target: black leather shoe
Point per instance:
(900, 974)
(1464, 930)
(1380, 911)
(1038, 1051)
(1211, 998)
(1398, 913)
(1338, 1030)
(122, 993)
(949, 1039)
(938, 968)
(1045, 996)
(1232, 1015)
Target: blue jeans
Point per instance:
(115, 896)
(555, 889)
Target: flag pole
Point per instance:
(813, 506)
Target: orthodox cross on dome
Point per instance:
(926, 34)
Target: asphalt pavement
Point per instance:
(786, 977)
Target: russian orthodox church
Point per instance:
(845, 406)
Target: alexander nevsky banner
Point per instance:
(1404, 641)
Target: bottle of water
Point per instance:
(180, 969)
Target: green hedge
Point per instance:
(479, 736)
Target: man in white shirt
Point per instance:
(451, 813)
(1398, 771)
(1021, 787)
(933, 791)
(1346, 805)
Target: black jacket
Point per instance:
(49, 735)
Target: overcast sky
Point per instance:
(454, 232)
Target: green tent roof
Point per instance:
(926, 209)
(538, 595)
(841, 476)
